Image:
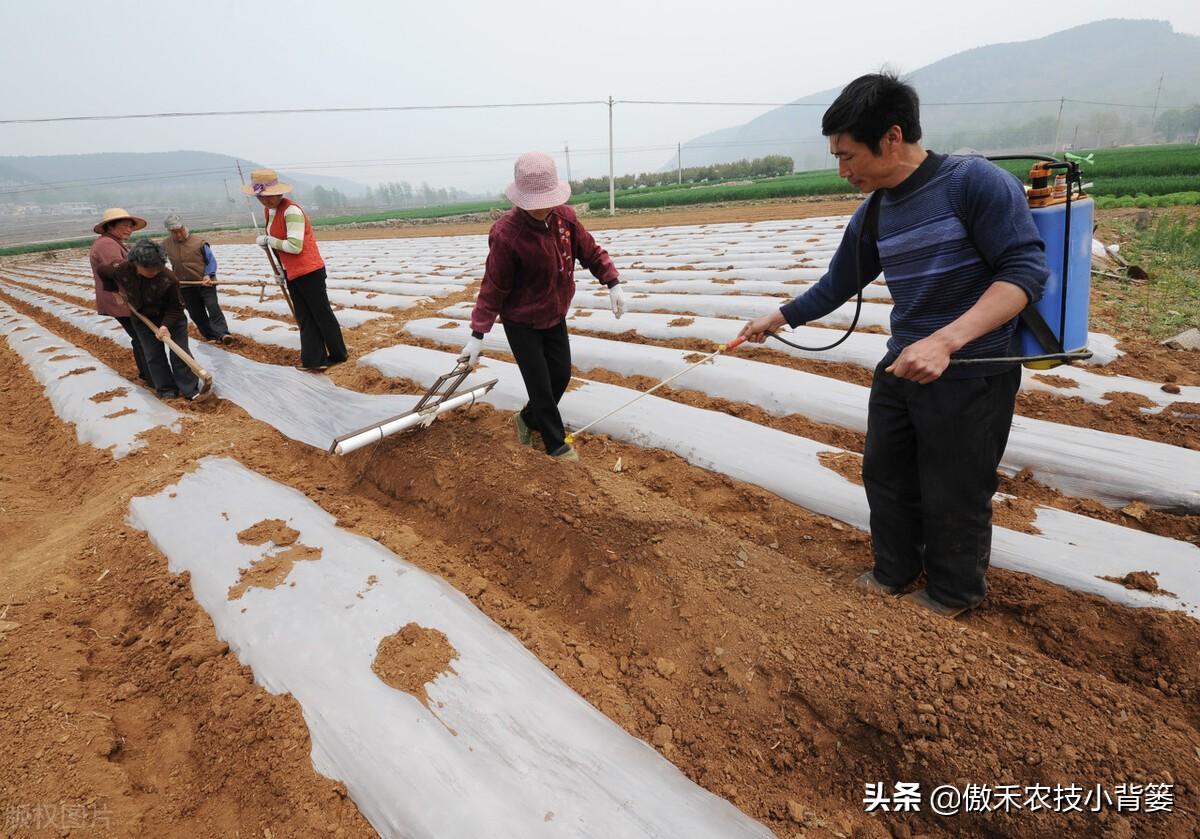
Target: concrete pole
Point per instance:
(1058, 126)
(679, 160)
(612, 188)
(1154, 113)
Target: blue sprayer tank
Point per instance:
(1051, 223)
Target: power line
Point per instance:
(923, 104)
(116, 180)
(275, 111)
(400, 108)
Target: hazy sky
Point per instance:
(72, 58)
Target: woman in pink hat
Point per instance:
(529, 283)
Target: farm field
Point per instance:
(1152, 171)
(1143, 177)
(223, 608)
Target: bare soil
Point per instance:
(709, 617)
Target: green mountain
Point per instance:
(1119, 62)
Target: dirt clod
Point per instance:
(411, 658)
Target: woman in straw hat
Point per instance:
(290, 235)
(529, 283)
(107, 253)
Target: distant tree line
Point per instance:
(403, 194)
(1179, 124)
(770, 166)
(390, 195)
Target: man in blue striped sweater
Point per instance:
(961, 257)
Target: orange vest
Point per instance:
(295, 264)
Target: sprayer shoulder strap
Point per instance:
(871, 230)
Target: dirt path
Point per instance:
(709, 617)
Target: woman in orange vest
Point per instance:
(290, 235)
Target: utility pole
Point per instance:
(1058, 126)
(679, 160)
(567, 152)
(1075, 138)
(612, 188)
(1154, 113)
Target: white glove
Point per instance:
(261, 241)
(616, 301)
(470, 353)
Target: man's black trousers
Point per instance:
(929, 468)
(544, 358)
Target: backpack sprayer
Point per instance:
(1052, 200)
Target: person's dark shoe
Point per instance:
(924, 600)
(320, 369)
(565, 452)
(333, 362)
(226, 339)
(168, 394)
(868, 583)
(524, 434)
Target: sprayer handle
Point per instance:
(735, 343)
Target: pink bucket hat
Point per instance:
(536, 185)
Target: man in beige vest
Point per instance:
(192, 260)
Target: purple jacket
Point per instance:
(530, 275)
(106, 253)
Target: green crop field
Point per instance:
(1151, 175)
(420, 212)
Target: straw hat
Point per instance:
(536, 185)
(265, 182)
(116, 214)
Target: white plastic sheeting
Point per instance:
(1072, 550)
(862, 349)
(1078, 461)
(779, 275)
(114, 424)
(276, 305)
(741, 306)
(273, 332)
(505, 748)
(303, 406)
(232, 296)
(872, 291)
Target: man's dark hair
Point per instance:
(870, 105)
(147, 253)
